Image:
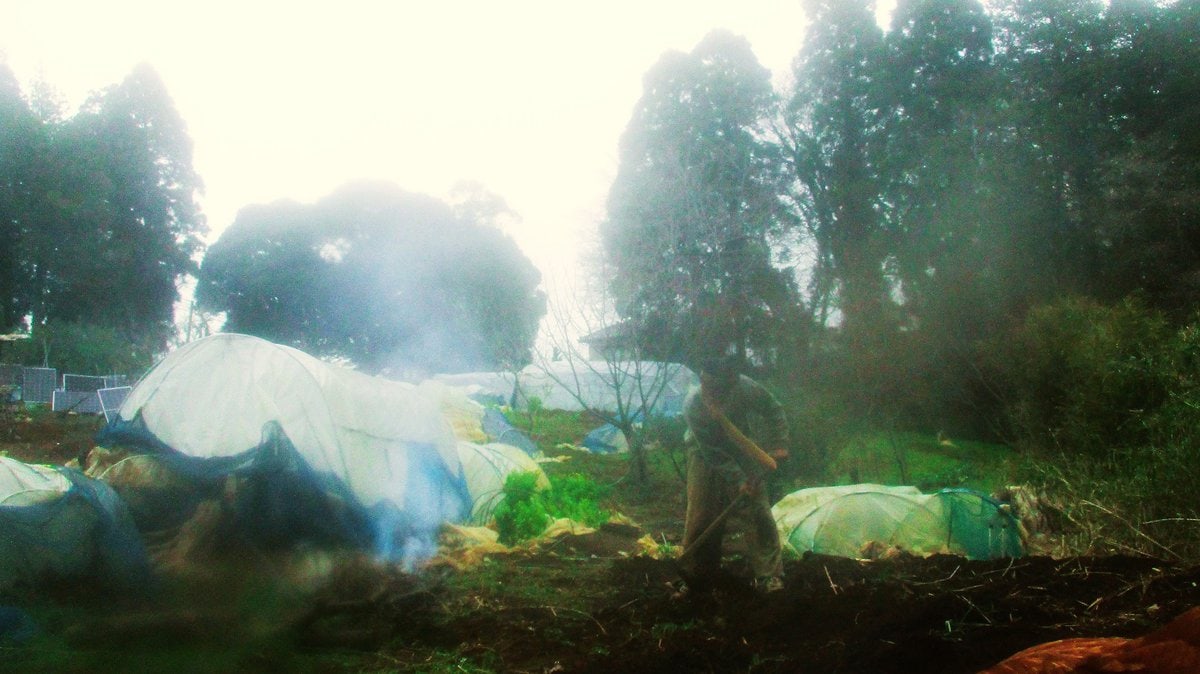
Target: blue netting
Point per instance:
(85, 533)
(282, 499)
(981, 525)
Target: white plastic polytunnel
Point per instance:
(381, 450)
(486, 467)
(845, 520)
(606, 386)
(58, 525)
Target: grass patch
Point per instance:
(923, 461)
(1139, 501)
(550, 428)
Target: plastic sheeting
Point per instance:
(606, 439)
(57, 524)
(600, 385)
(235, 403)
(500, 430)
(486, 467)
(492, 387)
(474, 422)
(845, 520)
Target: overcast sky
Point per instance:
(291, 100)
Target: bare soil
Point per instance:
(613, 613)
(593, 603)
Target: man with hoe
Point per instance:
(726, 470)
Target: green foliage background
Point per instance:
(83, 349)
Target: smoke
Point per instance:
(433, 495)
(435, 347)
(398, 540)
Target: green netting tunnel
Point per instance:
(845, 520)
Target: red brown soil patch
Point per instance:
(48, 437)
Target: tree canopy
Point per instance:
(696, 200)
(944, 175)
(387, 279)
(98, 213)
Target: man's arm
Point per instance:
(748, 447)
(770, 410)
(719, 446)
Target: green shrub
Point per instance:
(525, 511)
(577, 497)
(1081, 377)
(522, 514)
(1122, 460)
(84, 349)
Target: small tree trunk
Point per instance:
(639, 473)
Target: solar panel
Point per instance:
(111, 400)
(83, 382)
(81, 402)
(38, 384)
(115, 380)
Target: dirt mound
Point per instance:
(55, 437)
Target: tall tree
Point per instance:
(1055, 56)
(940, 103)
(695, 204)
(385, 278)
(105, 210)
(939, 96)
(944, 127)
(836, 120)
(137, 206)
(19, 140)
(1148, 224)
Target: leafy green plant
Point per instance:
(525, 511)
(522, 514)
(577, 497)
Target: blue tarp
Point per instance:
(498, 429)
(606, 439)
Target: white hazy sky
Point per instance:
(291, 100)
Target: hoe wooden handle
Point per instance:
(748, 446)
(708, 531)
